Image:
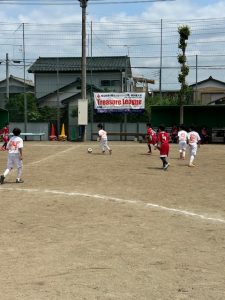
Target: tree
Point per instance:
(184, 32)
(15, 106)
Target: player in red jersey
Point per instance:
(5, 136)
(151, 137)
(163, 146)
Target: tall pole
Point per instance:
(160, 69)
(92, 98)
(58, 103)
(83, 5)
(24, 84)
(196, 80)
(7, 75)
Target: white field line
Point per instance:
(107, 198)
(52, 156)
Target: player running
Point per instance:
(103, 140)
(5, 136)
(151, 137)
(182, 140)
(194, 142)
(15, 157)
(163, 146)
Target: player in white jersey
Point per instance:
(194, 142)
(102, 134)
(15, 156)
(182, 140)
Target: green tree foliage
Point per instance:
(15, 106)
(184, 32)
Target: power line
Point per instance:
(71, 2)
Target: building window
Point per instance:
(105, 82)
(115, 83)
(110, 83)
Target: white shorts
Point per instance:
(14, 159)
(193, 149)
(182, 145)
(104, 144)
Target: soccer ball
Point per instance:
(89, 150)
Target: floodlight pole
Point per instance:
(83, 5)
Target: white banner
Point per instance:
(117, 102)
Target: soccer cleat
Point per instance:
(166, 166)
(191, 165)
(2, 178)
(19, 181)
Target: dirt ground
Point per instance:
(93, 226)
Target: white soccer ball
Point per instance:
(89, 150)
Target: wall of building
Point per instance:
(33, 128)
(46, 83)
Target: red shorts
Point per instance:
(164, 150)
(5, 139)
(152, 141)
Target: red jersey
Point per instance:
(152, 136)
(150, 131)
(163, 140)
(5, 130)
(163, 137)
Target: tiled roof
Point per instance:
(206, 80)
(71, 64)
(19, 79)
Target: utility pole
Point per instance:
(24, 85)
(58, 101)
(83, 5)
(7, 75)
(196, 80)
(160, 69)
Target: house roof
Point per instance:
(2, 109)
(71, 64)
(206, 80)
(21, 80)
(77, 82)
(218, 101)
(78, 95)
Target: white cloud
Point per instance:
(108, 21)
(185, 10)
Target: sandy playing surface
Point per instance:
(93, 226)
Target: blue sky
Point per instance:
(110, 38)
(156, 10)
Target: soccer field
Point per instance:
(93, 226)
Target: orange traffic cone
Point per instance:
(53, 137)
(62, 136)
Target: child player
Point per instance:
(163, 145)
(150, 137)
(102, 134)
(193, 141)
(14, 146)
(5, 136)
(182, 139)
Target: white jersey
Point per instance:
(182, 135)
(14, 144)
(193, 138)
(103, 134)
